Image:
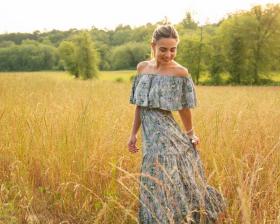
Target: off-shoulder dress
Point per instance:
(173, 186)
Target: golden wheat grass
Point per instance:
(63, 155)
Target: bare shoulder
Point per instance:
(180, 70)
(141, 66)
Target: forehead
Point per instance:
(167, 42)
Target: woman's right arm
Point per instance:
(137, 121)
(136, 125)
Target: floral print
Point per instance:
(165, 92)
(173, 186)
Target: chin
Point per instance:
(163, 61)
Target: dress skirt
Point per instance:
(173, 186)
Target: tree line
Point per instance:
(245, 46)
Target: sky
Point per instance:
(43, 15)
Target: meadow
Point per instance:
(63, 154)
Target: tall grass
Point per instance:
(63, 155)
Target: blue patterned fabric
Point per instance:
(164, 92)
(173, 186)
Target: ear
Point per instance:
(153, 45)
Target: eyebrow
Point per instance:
(166, 48)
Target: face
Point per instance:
(165, 50)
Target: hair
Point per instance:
(165, 30)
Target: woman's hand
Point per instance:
(194, 140)
(132, 144)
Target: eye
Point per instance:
(172, 50)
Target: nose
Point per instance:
(168, 54)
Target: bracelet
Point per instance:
(189, 131)
(192, 136)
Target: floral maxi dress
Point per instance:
(173, 186)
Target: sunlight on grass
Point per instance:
(64, 157)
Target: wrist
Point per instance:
(133, 134)
(190, 131)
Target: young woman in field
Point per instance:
(173, 187)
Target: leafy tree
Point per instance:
(7, 43)
(105, 52)
(190, 54)
(86, 56)
(67, 53)
(235, 49)
(262, 30)
(121, 35)
(236, 58)
(188, 22)
(127, 56)
(216, 61)
(29, 56)
(246, 45)
(80, 56)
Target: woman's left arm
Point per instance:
(186, 117)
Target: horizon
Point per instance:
(44, 16)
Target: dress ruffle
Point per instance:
(163, 91)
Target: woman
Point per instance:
(173, 187)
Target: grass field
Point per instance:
(63, 155)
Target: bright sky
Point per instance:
(45, 15)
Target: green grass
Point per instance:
(124, 75)
(275, 76)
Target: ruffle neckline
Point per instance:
(167, 92)
(164, 75)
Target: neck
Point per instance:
(160, 65)
(157, 64)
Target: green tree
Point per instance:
(262, 31)
(128, 55)
(6, 43)
(216, 62)
(188, 22)
(190, 54)
(67, 52)
(121, 35)
(235, 49)
(29, 56)
(250, 39)
(86, 56)
(236, 59)
(80, 56)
